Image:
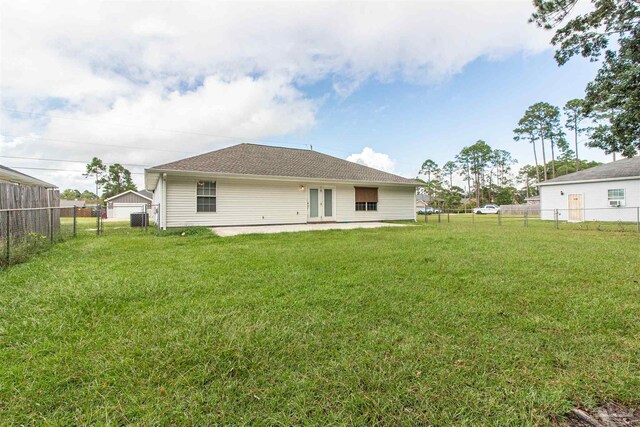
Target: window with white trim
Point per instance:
(616, 196)
(206, 196)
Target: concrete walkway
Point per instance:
(268, 229)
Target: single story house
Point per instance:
(66, 203)
(609, 192)
(122, 205)
(250, 184)
(532, 200)
(79, 208)
(423, 201)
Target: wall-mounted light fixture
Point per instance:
(302, 188)
(562, 193)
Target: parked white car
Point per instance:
(488, 209)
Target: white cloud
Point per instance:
(125, 69)
(370, 158)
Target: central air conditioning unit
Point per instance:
(614, 203)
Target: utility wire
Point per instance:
(96, 143)
(68, 161)
(60, 170)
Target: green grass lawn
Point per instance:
(440, 324)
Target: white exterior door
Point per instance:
(321, 204)
(576, 208)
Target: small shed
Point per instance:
(122, 205)
(609, 192)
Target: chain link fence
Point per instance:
(28, 231)
(619, 219)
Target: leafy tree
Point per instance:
(117, 181)
(566, 155)
(453, 196)
(502, 161)
(70, 194)
(529, 175)
(556, 135)
(88, 195)
(421, 189)
(448, 169)
(527, 130)
(429, 167)
(463, 161)
(574, 111)
(506, 196)
(614, 92)
(478, 157)
(97, 170)
(604, 137)
(540, 121)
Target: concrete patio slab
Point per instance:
(291, 228)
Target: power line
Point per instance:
(60, 170)
(68, 161)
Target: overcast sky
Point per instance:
(386, 84)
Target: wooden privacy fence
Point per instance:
(520, 209)
(28, 209)
(80, 212)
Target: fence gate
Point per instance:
(576, 208)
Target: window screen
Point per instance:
(206, 196)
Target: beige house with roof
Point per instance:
(249, 184)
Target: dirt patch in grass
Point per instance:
(608, 415)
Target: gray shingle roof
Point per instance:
(263, 160)
(145, 193)
(620, 169)
(64, 203)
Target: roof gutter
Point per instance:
(277, 177)
(584, 181)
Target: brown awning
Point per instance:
(366, 194)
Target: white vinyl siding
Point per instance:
(596, 200)
(262, 202)
(238, 202)
(394, 203)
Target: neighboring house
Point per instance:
(249, 184)
(67, 208)
(65, 203)
(423, 201)
(532, 200)
(122, 205)
(609, 192)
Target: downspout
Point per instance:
(163, 204)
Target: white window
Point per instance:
(616, 196)
(206, 196)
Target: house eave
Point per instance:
(152, 174)
(586, 181)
